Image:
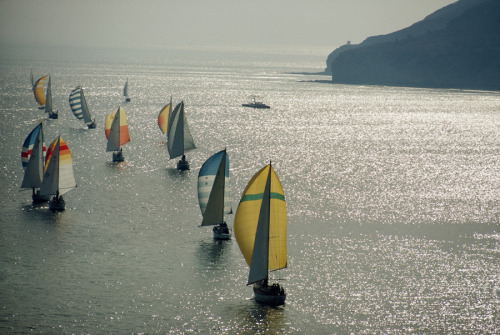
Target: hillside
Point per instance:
(455, 47)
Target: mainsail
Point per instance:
(213, 192)
(125, 89)
(48, 98)
(79, 105)
(32, 158)
(260, 224)
(38, 91)
(58, 177)
(180, 139)
(116, 130)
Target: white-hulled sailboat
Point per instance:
(38, 92)
(125, 91)
(32, 158)
(116, 130)
(49, 109)
(260, 230)
(58, 178)
(179, 137)
(213, 194)
(79, 106)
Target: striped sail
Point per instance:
(213, 191)
(48, 98)
(58, 177)
(79, 105)
(38, 91)
(32, 158)
(163, 118)
(116, 130)
(179, 137)
(260, 224)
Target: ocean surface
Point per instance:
(393, 199)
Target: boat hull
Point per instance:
(57, 204)
(118, 157)
(91, 125)
(221, 233)
(183, 165)
(273, 295)
(258, 106)
(38, 198)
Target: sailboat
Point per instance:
(38, 91)
(79, 106)
(164, 116)
(213, 194)
(125, 91)
(48, 102)
(116, 130)
(32, 80)
(260, 230)
(32, 158)
(179, 137)
(58, 178)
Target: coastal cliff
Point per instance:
(457, 46)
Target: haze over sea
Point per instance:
(393, 200)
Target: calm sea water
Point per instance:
(393, 200)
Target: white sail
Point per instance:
(211, 189)
(48, 98)
(58, 177)
(260, 254)
(180, 139)
(32, 79)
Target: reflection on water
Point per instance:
(392, 198)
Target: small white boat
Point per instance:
(256, 104)
(179, 137)
(32, 159)
(213, 194)
(260, 230)
(58, 178)
(116, 131)
(79, 106)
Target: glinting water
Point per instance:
(393, 200)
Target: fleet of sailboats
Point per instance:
(58, 178)
(32, 159)
(116, 131)
(260, 222)
(260, 229)
(213, 194)
(79, 106)
(179, 137)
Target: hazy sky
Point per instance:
(326, 23)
